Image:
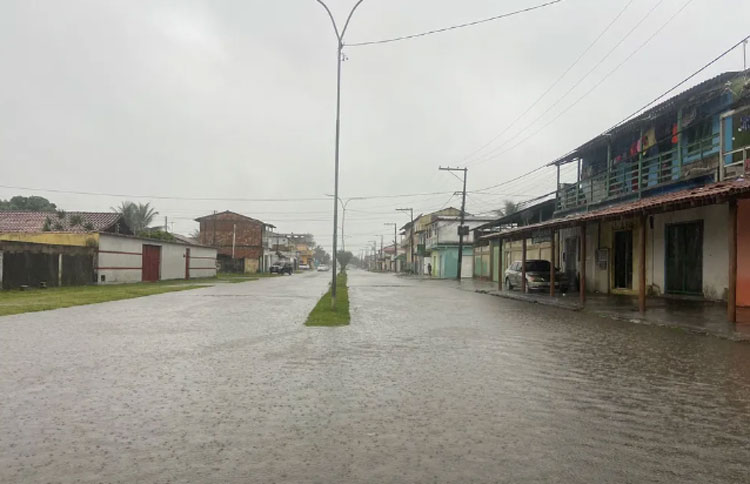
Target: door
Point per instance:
(684, 258)
(151, 257)
(187, 263)
(571, 261)
(624, 259)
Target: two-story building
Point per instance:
(442, 245)
(238, 239)
(660, 204)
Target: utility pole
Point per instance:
(166, 225)
(344, 204)
(395, 244)
(214, 241)
(411, 234)
(461, 225)
(234, 237)
(339, 58)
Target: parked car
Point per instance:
(282, 268)
(537, 276)
(323, 268)
(304, 267)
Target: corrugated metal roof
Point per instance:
(693, 197)
(705, 87)
(32, 222)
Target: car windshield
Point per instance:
(537, 266)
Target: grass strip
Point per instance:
(17, 302)
(324, 315)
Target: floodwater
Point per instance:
(428, 384)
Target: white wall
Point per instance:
(202, 262)
(120, 259)
(715, 247)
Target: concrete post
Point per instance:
(59, 270)
(523, 266)
(552, 266)
(582, 289)
(642, 266)
(732, 286)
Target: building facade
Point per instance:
(237, 238)
(659, 204)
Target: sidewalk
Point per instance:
(697, 316)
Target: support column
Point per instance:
(59, 270)
(582, 289)
(552, 266)
(732, 286)
(523, 265)
(642, 265)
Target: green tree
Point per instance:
(321, 255)
(34, 203)
(344, 257)
(138, 216)
(509, 208)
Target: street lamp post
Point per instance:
(339, 53)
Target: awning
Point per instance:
(693, 197)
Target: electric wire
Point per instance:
(453, 27)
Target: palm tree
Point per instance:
(137, 216)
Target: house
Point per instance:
(66, 248)
(660, 204)
(304, 247)
(441, 245)
(237, 238)
(415, 232)
(491, 258)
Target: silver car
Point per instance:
(537, 276)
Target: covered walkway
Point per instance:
(639, 210)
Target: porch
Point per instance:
(698, 316)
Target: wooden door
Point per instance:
(624, 259)
(151, 258)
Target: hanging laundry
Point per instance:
(675, 134)
(649, 139)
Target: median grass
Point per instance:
(324, 315)
(16, 302)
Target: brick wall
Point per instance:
(217, 231)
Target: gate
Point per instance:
(151, 257)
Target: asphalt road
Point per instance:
(428, 384)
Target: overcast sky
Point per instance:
(236, 99)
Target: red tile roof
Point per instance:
(32, 222)
(693, 197)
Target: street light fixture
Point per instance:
(343, 215)
(339, 53)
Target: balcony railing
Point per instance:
(633, 178)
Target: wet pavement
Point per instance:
(428, 384)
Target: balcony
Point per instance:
(632, 179)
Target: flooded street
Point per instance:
(428, 384)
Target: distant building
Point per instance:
(68, 248)
(237, 238)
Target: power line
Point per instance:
(666, 93)
(599, 83)
(555, 83)
(453, 27)
(211, 199)
(492, 154)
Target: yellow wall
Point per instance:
(54, 238)
(513, 251)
